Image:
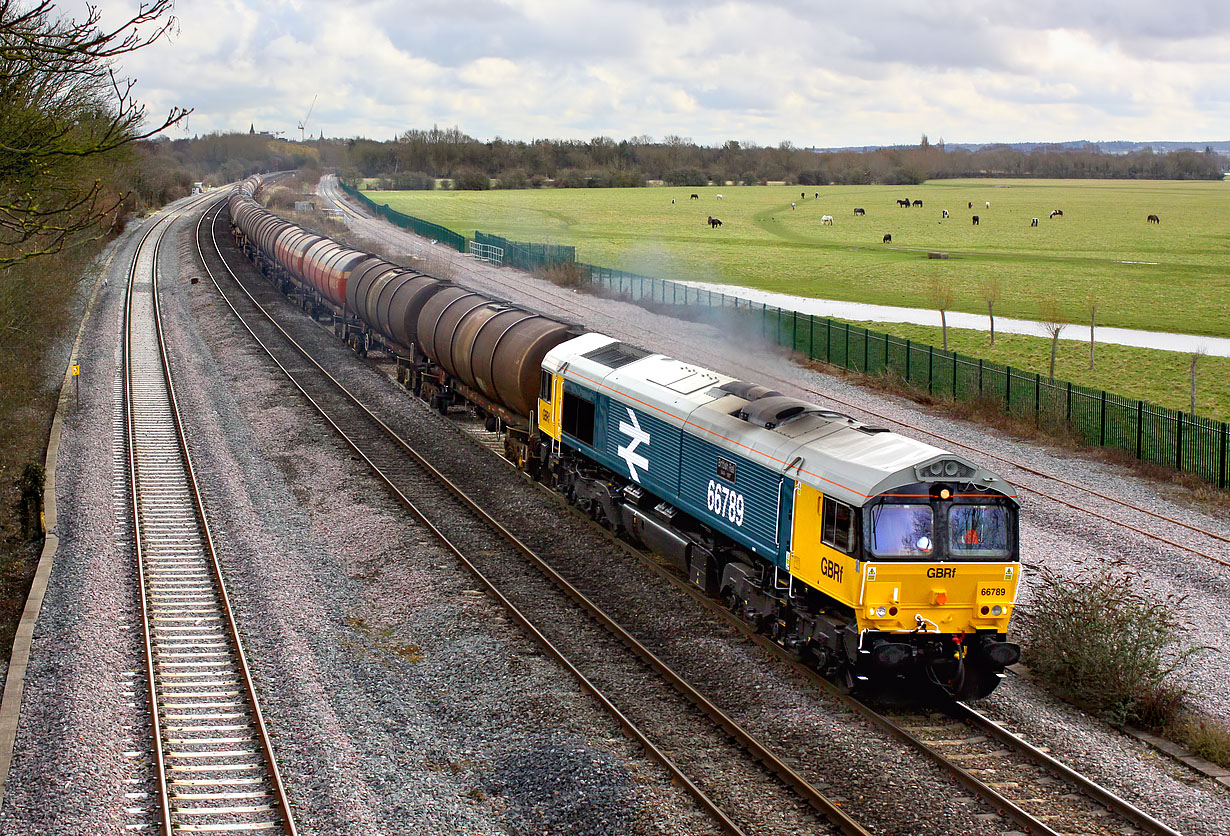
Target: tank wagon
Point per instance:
(879, 558)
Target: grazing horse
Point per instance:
(988, 204)
(918, 204)
(1033, 221)
(695, 196)
(945, 211)
(791, 205)
(905, 203)
(714, 223)
(817, 195)
(971, 204)
(1056, 213)
(1153, 219)
(975, 220)
(859, 211)
(802, 195)
(888, 238)
(719, 197)
(826, 220)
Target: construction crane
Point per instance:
(303, 124)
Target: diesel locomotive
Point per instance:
(878, 558)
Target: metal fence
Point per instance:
(419, 226)
(1147, 431)
(527, 256)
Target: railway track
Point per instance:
(1034, 792)
(1159, 528)
(214, 767)
(732, 775)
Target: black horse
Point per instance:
(714, 223)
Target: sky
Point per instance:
(816, 74)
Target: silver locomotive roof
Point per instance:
(830, 451)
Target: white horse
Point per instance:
(826, 220)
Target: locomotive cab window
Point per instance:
(578, 418)
(978, 531)
(544, 386)
(900, 530)
(838, 529)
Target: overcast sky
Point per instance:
(814, 73)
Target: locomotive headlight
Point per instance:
(997, 610)
(881, 612)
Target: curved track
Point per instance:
(723, 766)
(214, 766)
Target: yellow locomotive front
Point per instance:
(928, 573)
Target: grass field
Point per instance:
(1169, 277)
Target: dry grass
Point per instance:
(1207, 737)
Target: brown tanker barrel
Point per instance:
(356, 275)
(362, 279)
(380, 293)
(482, 355)
(407, 303)
(464, 336)
(517, 361)
(439, 318)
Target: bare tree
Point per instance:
(991, 290)
(63, 114)
(942, 298)
(1091, 305)
(1196, 355)
(1053, 322)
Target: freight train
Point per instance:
(878, 558)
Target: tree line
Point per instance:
(418, 158)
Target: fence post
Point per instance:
(1067, 411)
(980, 364)
(866, 350)
(846, 350)
(794, 334)
(1008, 389)
(1221, 461)
(930, 370)
(1102, 426)
(1178, 443)
(908, 352)
(674, 294)
(811, 336)
(1037, 398)
(886, 352)
(1140, 429)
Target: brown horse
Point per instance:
(1153, 219)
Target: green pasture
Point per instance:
(1173, 276)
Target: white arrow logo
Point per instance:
(628, 453)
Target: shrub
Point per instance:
(408, 181)
(513, 179)
(565, 274)
(1102, 645)
(471, 179)
(686, 177)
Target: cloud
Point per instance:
(882, 71)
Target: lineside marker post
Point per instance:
(77, 383)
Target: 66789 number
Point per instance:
(726, 503)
